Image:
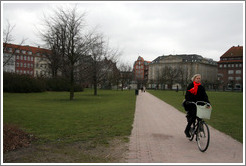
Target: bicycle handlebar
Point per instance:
(196, 103)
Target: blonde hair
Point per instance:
(193, 78)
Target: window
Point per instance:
(238, 78)
(24, 71)
(28, 58)
(25, 57)
(230, 78)
(23, 51)
(17, 51)
(21, 64)
(220, 75)
(21, 57)
(229, 65)
(31, 65)
(10, 49)
(238, 71)
(236, 65)
(240, 65)
(221, 66)
(230, 71)
(17, 56)
(232, 65)
(238, 86)
(225, 65)
(28, 65)
(31, 58)
(17, 64)
(29, 52)
(24, 64)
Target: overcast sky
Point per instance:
(148, 29)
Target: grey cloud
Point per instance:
(152, 29)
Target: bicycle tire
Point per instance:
(203, 136)
(192, 128)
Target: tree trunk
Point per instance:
(95, 89)
(71, 84)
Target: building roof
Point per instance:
(186, 57)
(140, 58)
(230, 61)
(235, 51)
(147, 62)
(34, 50)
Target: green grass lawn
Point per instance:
(52, 117)
(227, 114)
(59, 123)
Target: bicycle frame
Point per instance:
(201, 130)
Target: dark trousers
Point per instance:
(191, 117)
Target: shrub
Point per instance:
(26, 84)
(22, 83)
(57, 84)
(61, 84)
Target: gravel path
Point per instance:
(158, 137)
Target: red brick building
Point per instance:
(25, 59)
(230, 69)
(140, 71)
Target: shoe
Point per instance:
(187, 133)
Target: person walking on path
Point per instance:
(195, 92)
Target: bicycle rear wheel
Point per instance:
(203, 136)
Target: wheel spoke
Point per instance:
(203, 137)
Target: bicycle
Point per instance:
(199, 127)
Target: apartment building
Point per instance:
(140, 70)
(170, 71)
(230, 69)
(26, 60)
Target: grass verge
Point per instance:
(227, 114)
(54, 119)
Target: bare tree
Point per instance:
(158, 77)
(184, 78)
(102, 60)
(172, 75)
(66, 37)
(7, 39)
(163, 79)
(125, 75)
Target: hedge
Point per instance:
(26, 84)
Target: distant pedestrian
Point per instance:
(195, 92)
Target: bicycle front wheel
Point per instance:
(203, 136)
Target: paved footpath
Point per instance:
(158, 137)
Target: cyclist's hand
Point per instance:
(208, 106)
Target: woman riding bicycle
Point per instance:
(195, 92)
